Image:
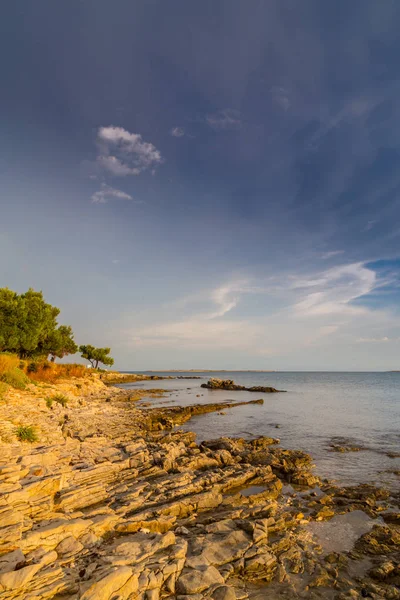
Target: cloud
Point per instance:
(224, 119)
(335, 290)
(106, 192)
(372, 340)
(292, 313)
(123, 153)
(327, 255)
(281, 97)
(370, 225)
(177, 132)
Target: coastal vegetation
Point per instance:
(96, 355)
(26, 433)
(31, 339)
(29, 327)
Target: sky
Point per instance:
(207, 184)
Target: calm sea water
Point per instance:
(357, 408)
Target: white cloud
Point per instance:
(177, 132)
(124, 153)
(226, 298)
(106, 192)
(292, 313)
(327, 255)
(362, 340)
(224, 119)
(337, 289)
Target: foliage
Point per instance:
(26, 433)
(59, 398)
(49, 401)
(29, 328)
(60, 343)
(96, 355)
(16, 378)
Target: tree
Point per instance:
(96, 355)
(37, 325)
(11, 316)
(60, 343)
(29, 328)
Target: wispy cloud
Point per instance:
(177, 132)
(336, 289)
(331, 254)
(281, 97)
(362, 340)
(298, 313)
(227, 118)
(123, 153)
(106, 192)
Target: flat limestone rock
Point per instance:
(224, 548)
(108, 585)
(193, 581)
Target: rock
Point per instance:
(223, 592)
(140, 547)
(229, 384)
(69, 546)
(261, 567)
(9, 561)
(383, 571)
(224, 548)
(193, 581)
(108, 585)
(14, 580)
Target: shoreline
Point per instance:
(113, 501)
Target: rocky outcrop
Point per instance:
(177, 415)
(229, 384)
(120, 509)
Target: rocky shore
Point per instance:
(113, 502)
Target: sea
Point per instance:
(317, 411)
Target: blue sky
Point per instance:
(207, 184)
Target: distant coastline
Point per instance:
(203, 371)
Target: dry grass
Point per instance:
(16, 372)
(8, 362)
(50, 372)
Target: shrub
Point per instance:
(8, 362)
(16, 378)
(26, 433)
(59, 398)
(50, 372)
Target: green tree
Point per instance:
(38, 323)
(11, 316)
(29, 328)
(96, 355)
(59, 343)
